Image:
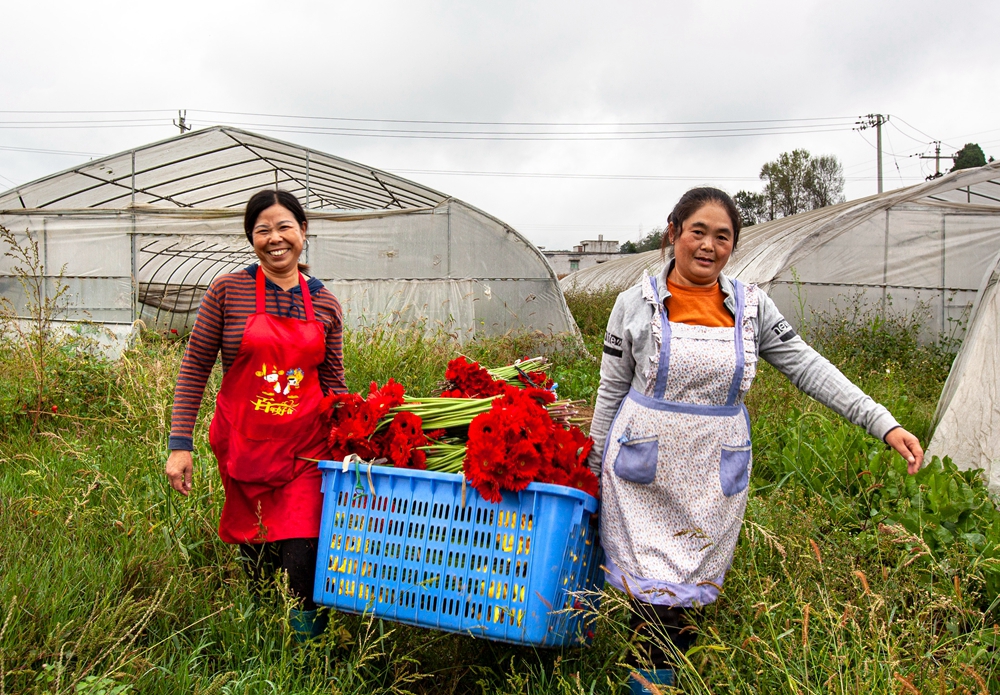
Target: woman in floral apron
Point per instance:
(672, 436)
(279, 333)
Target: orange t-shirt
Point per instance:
(698, 306)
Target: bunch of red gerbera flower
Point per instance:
(469, 380)
(496, 425)
(517, 443)
(354, 424)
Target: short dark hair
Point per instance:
(692, 201)
(262, 200)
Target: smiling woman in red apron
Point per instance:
(280, 338)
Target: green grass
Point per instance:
(107, 581)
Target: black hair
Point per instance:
(691, 202)
(262, 200)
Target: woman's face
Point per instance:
(703, 246)
(278, 240)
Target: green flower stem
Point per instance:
(510, 374)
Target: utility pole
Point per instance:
(937, 160)
(875, 120)
(182, 116)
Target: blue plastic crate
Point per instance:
(404, 547)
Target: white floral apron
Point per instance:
(677, 460)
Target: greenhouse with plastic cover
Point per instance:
(922, 248)
(967, 422)
(139, 235)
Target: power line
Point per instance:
(339, 129)
(91, 121)
(65, 112)
(546, 175)
(533, 123)
(40, 151)
(909, 125)
(443, 134)
(601, 177)
(540, 137)
(447, 122)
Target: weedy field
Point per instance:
(850, 577)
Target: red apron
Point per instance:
(266, 416)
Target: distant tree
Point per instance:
(969, 157)
(785, 183)
(825, 181)
(650, 242)
(796, 181)
(752, 207)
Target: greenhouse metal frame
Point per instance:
(142, 233)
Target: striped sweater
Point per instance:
(222, 315)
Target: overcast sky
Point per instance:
(931, 66)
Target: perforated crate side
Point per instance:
(414, 554)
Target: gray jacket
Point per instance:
(629, 342)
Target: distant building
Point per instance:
(584, 255)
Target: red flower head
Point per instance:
(399, 443)
(489, 489)
(552, 474)
(408, 426)
(469, 380)
(583, 479)
(364, 421)
(385, 398)
(342, 406)
(571, 447)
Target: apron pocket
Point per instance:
(268, 462)
(636, 460)
(734, 469)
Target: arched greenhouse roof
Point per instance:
(142, 233)
(924, 247)
(219, 168)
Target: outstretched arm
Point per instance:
(815, 376)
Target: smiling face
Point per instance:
(702, 247)
(277, 241)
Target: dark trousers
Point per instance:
(294, 556)
(656, 628)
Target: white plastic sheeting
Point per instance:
(968, 414)
(919, 248)
(389, 249)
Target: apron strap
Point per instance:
(261, 302)
(306, 297)
(734, 387)
(663, 368)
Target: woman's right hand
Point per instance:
(179, 468)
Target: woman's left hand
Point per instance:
(908, 447)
